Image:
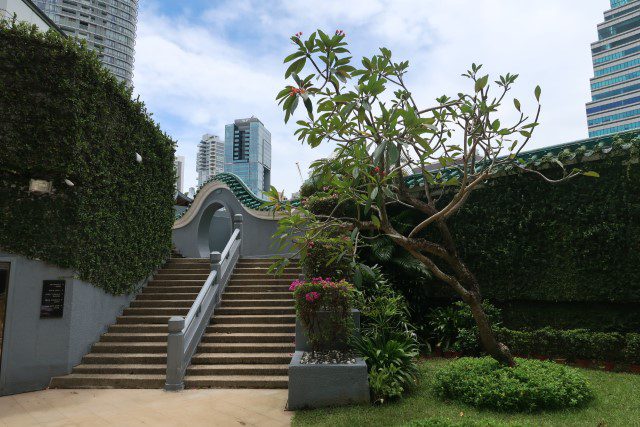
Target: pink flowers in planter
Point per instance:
(295, 284)
(312, 296)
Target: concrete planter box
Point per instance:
(316, 386)
(302, 342)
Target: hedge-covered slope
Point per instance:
(65, 117)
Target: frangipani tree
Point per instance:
(381, 135)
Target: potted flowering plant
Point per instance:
(324, 308)
(323, 370)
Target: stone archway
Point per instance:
(214, 228)
(192, 235)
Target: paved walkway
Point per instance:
(115, 408)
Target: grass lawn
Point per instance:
(616, 403)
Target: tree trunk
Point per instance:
(496, 349)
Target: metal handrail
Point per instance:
(185, 333)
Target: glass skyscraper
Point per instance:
(615, 87)
(108, 26)
(247, 153)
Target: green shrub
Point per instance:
(454, 328)
(65, 117)
(335, 299)
(327, 257)
(529, 386)
(573, 344)
(388, 342)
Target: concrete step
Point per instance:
(125, 358)
(256, 288)
(271, 319)
(129, 347)
(166, 303)
(253, 337)
(261, 276)
(260, 281)
(181, 276)
(188, 261)
(265, 270)
(236, 381)
(170, 290)
(227, 295)
(108, 381)
(232, 328)
(267, 369)
(146, 369)
(288, 302)
(223, 311)
(224, 347)
(240, 358)
(161, 296)
(158, 320)
(140, 328)
(187, 266)
(187, 271)
(174, 282)
(132, 337)
(153, 311)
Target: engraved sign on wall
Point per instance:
(52, 304)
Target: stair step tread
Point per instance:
(114, 376)
(196, 368)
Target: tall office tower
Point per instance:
(247, 153)
(210, 159)
(179, 162)
(108, 26)
(615, 88)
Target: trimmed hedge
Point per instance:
(574, 344)
(529, 386)
(65, 117)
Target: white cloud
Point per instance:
(199, 71)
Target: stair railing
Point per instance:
(185, 333)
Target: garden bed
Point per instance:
(616, 403)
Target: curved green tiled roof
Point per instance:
(592, 148)
(586, 149)
(244, 195)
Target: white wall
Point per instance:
(24, 12)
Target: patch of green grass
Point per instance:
(616, 403)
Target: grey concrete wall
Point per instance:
(220, 230)
(192, 240)
(34, 349)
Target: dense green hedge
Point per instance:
(578, 241)
(65, 117)
(574, 344)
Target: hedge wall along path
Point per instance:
(65, 117)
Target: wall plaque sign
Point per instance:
(40, 186)
(52, 304)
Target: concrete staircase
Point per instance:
(250, 341)
(248, 344)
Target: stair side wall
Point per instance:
(35, 349)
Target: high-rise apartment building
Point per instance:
(210, 158)
(615, 87)
(108, 26)
(247, 153)
(179, 162)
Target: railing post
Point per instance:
(175, 354)
(237, 224)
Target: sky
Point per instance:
(200, 64)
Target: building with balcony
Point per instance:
(108, 27)
(210, 158)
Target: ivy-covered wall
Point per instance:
(64, 117)
(565, 255)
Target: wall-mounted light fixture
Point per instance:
(40, 186)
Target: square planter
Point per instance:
(316, 386)
(302, 342)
